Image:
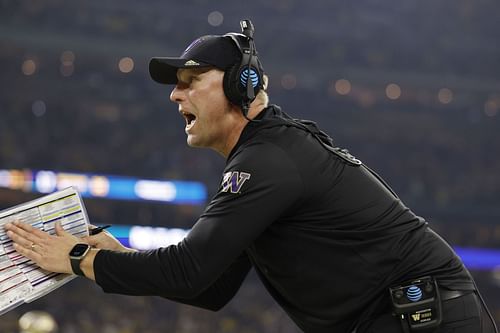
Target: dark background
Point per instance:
(66, 106)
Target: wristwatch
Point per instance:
(76, 255)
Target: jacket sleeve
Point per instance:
(258, 185)
(223, 290)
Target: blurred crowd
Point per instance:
(410, 88)
(81, 307)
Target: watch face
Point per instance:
(78, 250)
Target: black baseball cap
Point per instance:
(207, 51)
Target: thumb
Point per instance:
(60, 230)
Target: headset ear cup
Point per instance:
(234, 89)
(231, 86)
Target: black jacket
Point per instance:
(323, 232)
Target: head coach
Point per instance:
(330, 240)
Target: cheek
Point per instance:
(213, 105)
(207, 97)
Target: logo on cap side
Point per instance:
(191, 63)
(193, 44)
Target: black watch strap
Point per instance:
(76, 255)
(75, 266)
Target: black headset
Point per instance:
(243, 81)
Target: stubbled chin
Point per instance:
(191, 141)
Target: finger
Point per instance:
(28, 228)
(60, 230)
(90, 227)
(18, 239)
(92, 240)
(15, 229)
(28, 253)
(36, 248)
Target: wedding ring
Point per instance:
(32, 246)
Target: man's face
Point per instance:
(209, 115)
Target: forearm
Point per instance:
(168, 272)
(87, 264)
(224, 289)
(134, 276)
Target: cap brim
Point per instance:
(164, 70)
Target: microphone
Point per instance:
(248, 29)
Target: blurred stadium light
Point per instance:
(105, 186)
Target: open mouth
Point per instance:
(190, 119)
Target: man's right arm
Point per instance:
(224, 289)
(213, 298)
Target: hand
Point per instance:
(50, 252)
(105, 241)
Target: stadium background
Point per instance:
(411, 87)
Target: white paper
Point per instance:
(21, 280)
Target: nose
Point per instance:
(177, 94)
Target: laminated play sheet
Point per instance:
(21, 280)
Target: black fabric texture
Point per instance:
(326, 237)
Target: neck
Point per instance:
(255, 109)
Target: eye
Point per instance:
(189, 79)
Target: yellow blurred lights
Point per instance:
(445, 95)
(67, 58)
(126, 65)
(491, 108)
(343, 86)
(393, 91)
(99, 186)
(16, 179)
(28, 67)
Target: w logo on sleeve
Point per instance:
(233, 181)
